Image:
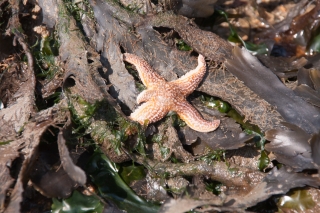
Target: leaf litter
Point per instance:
(98, 92)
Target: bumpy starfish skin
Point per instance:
(162, 96)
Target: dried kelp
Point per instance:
(260, 79)
(73, 171)
(309, 86)
(99, 90)
(171, 63)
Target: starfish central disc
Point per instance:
(161, 96)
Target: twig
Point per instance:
(231, 175)
(13, 28)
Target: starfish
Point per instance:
(161, 96)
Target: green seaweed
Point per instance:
(141, 141)
(299, 200)
(5, 142)
(132, 8)
(75, 8)
(240, 119)
(213, 155)
(77, 203)
(260, 140)
(45, 53)
(215, 103)
(160, 139)
(260, 49)
(105, 175)
(214, 187)
(176, 121)
(181, 45)
(263, 161)
(132, 172)
(82, 119)
(224, 107)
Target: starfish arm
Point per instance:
(145, 95)
(148, 76)
(149, 112)
(193, 118)
(189, 82)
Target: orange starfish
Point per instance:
(161, 96)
